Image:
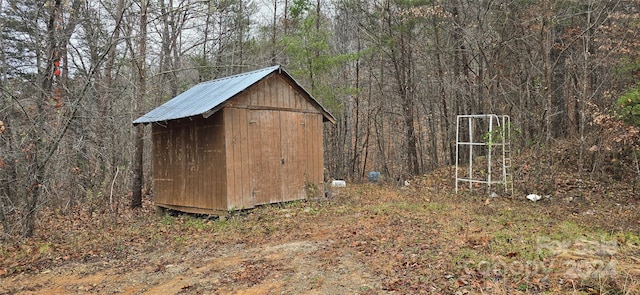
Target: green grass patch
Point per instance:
(167, 219)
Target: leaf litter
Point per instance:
(365, 239)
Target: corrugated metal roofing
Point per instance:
(207, 96)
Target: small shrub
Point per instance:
(629, 106)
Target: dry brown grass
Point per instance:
(366, 239)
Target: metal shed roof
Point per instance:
(208, 97)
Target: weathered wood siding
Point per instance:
(283, 149)
(238, 170)
(266, 177)
(189, 164)
(263, 147)
(314, 146)
(274, 92)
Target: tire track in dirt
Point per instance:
(298, 267)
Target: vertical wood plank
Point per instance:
(230, 149)
(171, 170)
(275, 166)
(160, 164)
(192, 166)
(311, 148)
(221, 163)
(261, 94)
(179, 167)
(283, 93)
(236, 163)
(266, 94)
(254, 96)
(315, 143)
(308, 146)
(191, 189)
(243, 98)
(247, 200)
(212, 168)
(299, 101)
(292, 98)
(320, 153)
(203, 157)
(274, 100)
(271, 93)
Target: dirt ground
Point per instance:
(289, 268)
(364, 239)
(198, 263)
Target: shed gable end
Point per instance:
(274, 92)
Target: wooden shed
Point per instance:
(237, 142)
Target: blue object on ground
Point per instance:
(374, 176)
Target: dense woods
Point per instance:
(74, 74)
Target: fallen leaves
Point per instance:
(448, 245)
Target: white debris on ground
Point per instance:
(338, 183)
(534, 197)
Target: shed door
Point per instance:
(294, 160)
(277, 155)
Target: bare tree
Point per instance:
(141, 91)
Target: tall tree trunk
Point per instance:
(169, 39)
(403, 66)
(356, 153)
(37, 167)
(545, 51)
(108, 95)
(6, 189)
(136, 200)
(274, 31)
(447, 142)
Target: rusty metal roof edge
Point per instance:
(268, 71)
(159, 114)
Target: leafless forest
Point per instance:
(74, 74)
